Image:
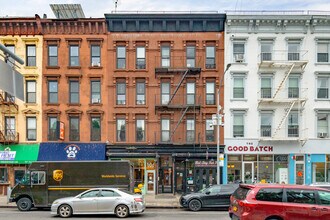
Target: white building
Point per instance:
(277, 97)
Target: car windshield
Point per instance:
(205, 189)
(126, 191)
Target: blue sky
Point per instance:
(97, 8)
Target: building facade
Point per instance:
(277, 97)
(20, 120)
(164, 70)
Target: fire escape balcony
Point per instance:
(177, 138)
(283, 58)
(283, 96)
(164, 102)
(9, 137)
(7, 100)
(178, 64)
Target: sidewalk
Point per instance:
(152, 201)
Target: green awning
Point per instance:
(19, 153)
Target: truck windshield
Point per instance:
(26, 179)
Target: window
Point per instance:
(324, 197)
(74, 91)
(323, 125)
(38, 177)
(95, 55)
(31, 128)
(19, 175)
(92, 193)
(121, 57)
(140, 58)
(31, 91)
(140, 93)
(3, 175)
(10, 128)
(74, 128)
(165, 89)
(270, 195)
(266, 124)
(121, 93)
(238, 87)
(323, 52)
(121, 130)
(52, 91)
(74, 55)
(109, 193)
(95, 91)
(266, 51)
(165, 136)
(165, 53)
(52, 128)
(300, 196)
(30, 55)
(140, 130)
(293, 51)
(293, 87)
(293, 124)
(266, 87)
(190, 130)
(209, 136)
(210, 57)
(95, 129)
(323, 87)
(238, 124)
(239, 51)
(190, 52)
(52, 55)
(210, 93)
(191, 93)
(11, 48)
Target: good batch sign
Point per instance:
(250, 148)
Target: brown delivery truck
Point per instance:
(46, 181)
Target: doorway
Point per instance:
(151, 181)
(248, 172)
(166, 180)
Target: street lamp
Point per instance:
(219, 123)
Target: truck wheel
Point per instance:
(122, 211)
(195, 205)
(24, 204)
(65, 211)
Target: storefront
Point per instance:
(14, 160)
(71, 151)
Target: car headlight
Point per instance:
(55, 202)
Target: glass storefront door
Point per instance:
(166, 180)
(248, 172)
(151, 181)
(300, 177)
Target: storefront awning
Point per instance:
(71, 151)
(19, 153)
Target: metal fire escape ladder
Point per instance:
(177, 125)
(178, 86)
(287, 112)
(283, 81)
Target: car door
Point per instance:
(323, 204)
(212, 196)
(224, 195)
(86, 202)
(301, 204)
(108, 201)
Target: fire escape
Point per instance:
(285, 99)
(9, 110)
(177, 102)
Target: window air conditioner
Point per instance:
(322, 135)
(95, 101)
(96, 64)
(239, 58)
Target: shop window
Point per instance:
(281, 168)
(318, 172)
(265, 169)
(3, 175)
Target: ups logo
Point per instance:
(58, 175)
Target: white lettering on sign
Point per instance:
(250, 148)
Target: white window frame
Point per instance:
(327, 43)
(238, 113)
(288, 86)
(271, 122)
(271, 86)
(239, 57)
(293, 124)
(323, 133)
(234, 77)
(323, 77)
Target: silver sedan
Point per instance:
(99, 201)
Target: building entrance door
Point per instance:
(300, 177)
(248, 172)
(166, 180)
(151, 181)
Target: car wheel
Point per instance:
(122, 211)
(65, 211)
(195, 205)
(24, 204)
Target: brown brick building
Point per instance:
(164, 71)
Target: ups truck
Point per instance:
(45, 182)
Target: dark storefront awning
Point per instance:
(71, 151)
(19, 153)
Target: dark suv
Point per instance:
(279, 202)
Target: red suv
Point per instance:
(279, 202)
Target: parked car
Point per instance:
(279, 202)
(322, 185)
(99, 201)
(211, 197)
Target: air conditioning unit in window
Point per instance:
(96, 64)
(96, 101)
(322, 135)
(239, 58)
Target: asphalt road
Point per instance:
(155, 214)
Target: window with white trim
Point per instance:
(210, 93)
(238, 124)
(293, 87)
(266, 50)
(323, 52)
(293, 51)
(239, 52)
(293, 124)
(266, 87)
(238, 86)
(190, 130)
(323, 86)
(266, 119)
(191, 93)
(323, 124)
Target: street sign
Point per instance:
(221, 160)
